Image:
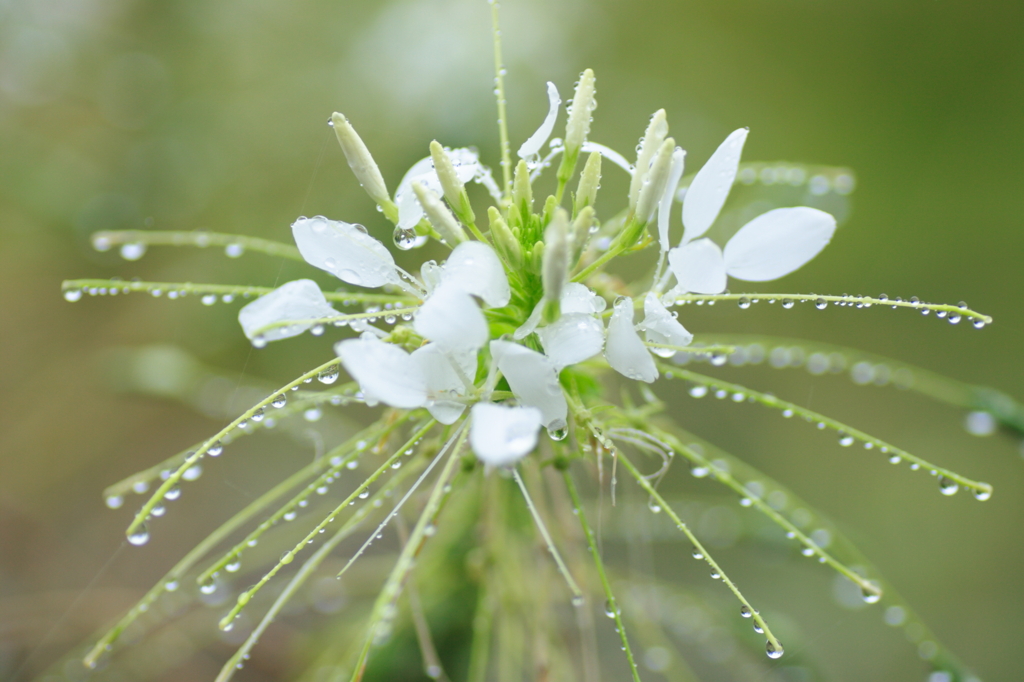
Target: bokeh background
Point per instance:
(188, 115)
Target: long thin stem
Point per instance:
(499, 93)
(773, 643)
(73, 288)
(953, 313)
(848, 434)
(307, 569)
(246, 596)
(137, 532)
(383, 608)
(235, 243)
(577, 594)
(612, 606)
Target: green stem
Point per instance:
(499, 93)
(111, 287)
(613, 605)
(104, 240)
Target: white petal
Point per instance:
(572, 338)
(577, 298)
(699, 267)
(451, 318)
(430, 273)
(345, 251)
(385, 372)
(709, 189)
(778, 242)
(298, 300)
(533, 380)
(665, 206)
(624, 350)
(443, 381)
(608, 153)
(662, 327)
(501, 435)
(531, 323)
(475, 268)
(467, 167)
(533, 145)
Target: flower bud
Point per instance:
(439, 216)
(555, 264)
(504, 240)
(583, 104)
(522, 192)
(654, 184)
(590, 181)
(362, 164)
(657, 131)
(581, 232)
(454, 189)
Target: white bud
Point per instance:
(439, 215)
(657, 131)
(653, 186)
(555, 266)
(583, 105)
(361, 162)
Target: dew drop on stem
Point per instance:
(948, 486)
(774, 651)
(139, 536)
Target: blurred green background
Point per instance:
(185, 114)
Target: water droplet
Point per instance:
(743, 302)
(330, 121)
(845, 439)
(72, 295)
(363, 495)
(757, 628)
(871, 593)
(947, 486)
(279, 400)
(172, 493)
(114, 501)
(406, 238)
(982, 494)
(578, 600)
(978, 324)
(209, 587)
(133, 251)
(139, 536)
(788, 303)
(258, 415)
(259, 342)
(329, 375)
(209, 299)
(719, 359)
(609, 609)
(171, 585)
(101, 243)
(774, 650)
(234, 250)
(215, 449)
(233, 566)
(698, 391)
(290, 515)
(558, 430)
(745, 611)
(820, 303)
(715, 575)
(312, 414)
(653, 505)
(697, 554)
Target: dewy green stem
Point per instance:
(248, 594)
(104, 287)
(198, 238)
(613, 605)
(499, 93)
(139, 522)
(649, 489)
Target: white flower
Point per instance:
(446, 375)
(572, 338)
(661, 326)
(501, 435)
(452, 319)
(770, 246)
(533, 379)
(385, 372)
(624, 350)
(298, 300)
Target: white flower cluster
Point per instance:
(442, 374)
